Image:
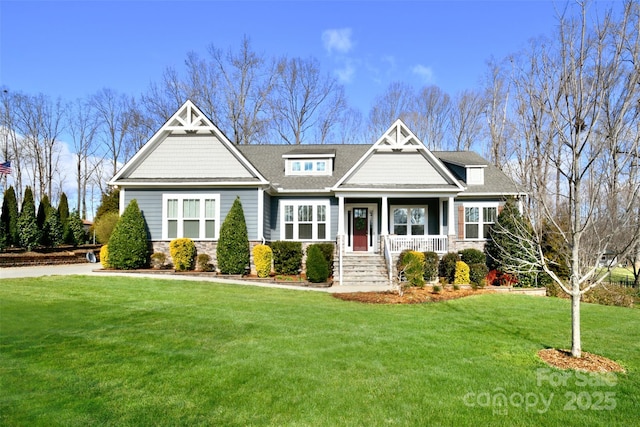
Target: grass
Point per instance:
(132, 351)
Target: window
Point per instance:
(478, 220)
(409, 221)
(192, 216)
(309, 167)
(304, 220)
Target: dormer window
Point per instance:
(301, 162)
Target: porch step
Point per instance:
(364, 270)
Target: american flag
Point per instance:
(5, 168)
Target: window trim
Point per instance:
(409, 207)
(313, 161)
(180, 218)
(314, 233)
(481, 222)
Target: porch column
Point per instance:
(451, 225)
(384, 218)
(340, 215)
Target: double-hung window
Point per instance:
(195, 216)
(478, 220)
(305, 220)
(409, 220)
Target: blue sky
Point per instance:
(72, 49)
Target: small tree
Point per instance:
(9, 217)
(128, 246)
(77, 234)
(63, 214)
(52, 228)
(103, 226)
(28, 231)
(41, 218)
(233, 246)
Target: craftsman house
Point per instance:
(372, 201)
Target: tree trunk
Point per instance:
(576, 342)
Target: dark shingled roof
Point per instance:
(269, 162)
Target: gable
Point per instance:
(398, 158)
(190, 156)
(189, 147)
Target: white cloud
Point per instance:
(425, 73)
(346, 73)
(338, 40)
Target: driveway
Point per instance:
(47, 270)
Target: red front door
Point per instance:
(360, 229)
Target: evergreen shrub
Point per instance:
(262, 258)
(104, 256)
(478, 273)
(461, 276)
(233, 246)
(431, 260)
(287, 257)
(203, 262)
(447, 266)
(317, 266)
(472, 256)
(183, 253)
(128, 245)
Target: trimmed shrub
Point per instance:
(63, 214)
(233, 246)
(287, 257)
(183, 253)
(262, 258)
(104, 226)
(53, 232)
(412, 263)
(327, 250)
(104, 256)
(472, 256)
(447, 266)
(431, 260)
(128, 246)
(461, 276)
(478, 273)
(203, 262)
(317, 266)
(158, 259)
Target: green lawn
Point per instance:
(79, 351)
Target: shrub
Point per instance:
(431, 260)
(76, 229)
(158, 259)
(104, 256)
(53, 232)
(203, 262)
(472, 256)
(498, 278)
(436, 289)
(103, 226)
(28, 232)
(183, 253)
(9, 217)
(262, 258)
(477, 273)
(128, 246)
(447, 266)
(412, 263)
(63, 214)
(461, 276)
(317, 266)
(287, 257)
(109, 202)
(327, 250)
(620, 296)
(233, 246)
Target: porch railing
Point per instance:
(438, 244)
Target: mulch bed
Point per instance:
(410, 296)
(589, 362)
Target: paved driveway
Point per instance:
(47, 270)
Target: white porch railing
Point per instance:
(438, 244)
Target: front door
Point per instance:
(360, 229)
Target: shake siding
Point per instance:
(150, 203)
(397, 168)
(176, 157)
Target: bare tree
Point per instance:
(113, 112)
(497, 95)
(429, 117)
(395, 103)
(465, 119)
(574, 78)
(302, 93)
(82, 128)
(11, 141)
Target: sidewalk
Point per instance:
(89, 269)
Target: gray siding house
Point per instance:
(372, 201)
